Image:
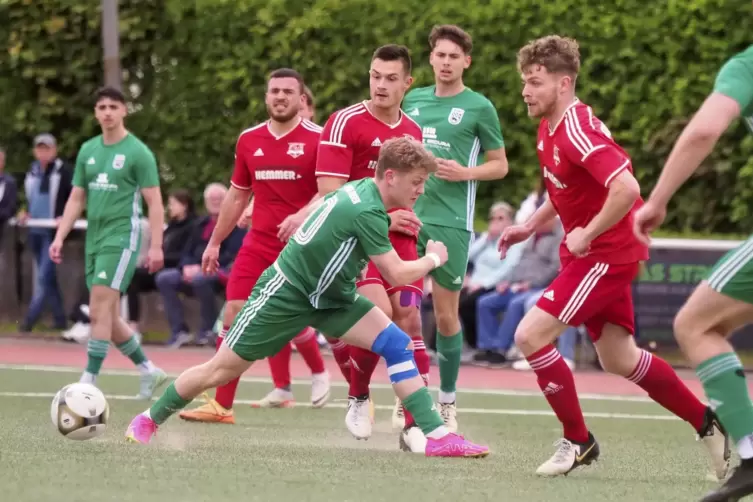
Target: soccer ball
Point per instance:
(80, 411)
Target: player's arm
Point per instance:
(156, 208)
(623, 192)
(490, 136)
(495, 167)
(334, 157)
(542, 216)
(698, 140)
(76, 200)
(235, 202)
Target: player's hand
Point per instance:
(155, 260)
(289, 226)
(578, 242)
(210, 260)
(56, 251)
(405, 222)
(449, 170)
(437, 248)
(512, 235)
(647, 219)
(245, 220)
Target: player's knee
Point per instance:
(684, 326)
(392, 344)
(409, 320)
(448, 322)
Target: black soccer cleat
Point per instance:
(569, 456)
(739, 485)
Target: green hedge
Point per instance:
(199, 68)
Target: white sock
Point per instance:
(446, 397)
(438, 433)
(88, 378)
(745, 447)
(147, 414)
(147, 367)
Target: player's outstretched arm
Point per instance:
(695, 144)
(623, 192)
(541, 216)
(73, 209)
(233, 205)
(400, 273)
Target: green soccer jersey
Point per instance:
(333, 245)
(735, 80)
(112, 177)
(460, 128)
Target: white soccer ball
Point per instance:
(80, 411)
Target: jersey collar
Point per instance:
(393, 126)
(291, 130)
(552, 130)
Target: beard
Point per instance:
(284, 116)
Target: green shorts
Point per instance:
(276, 312)
(732, 275)
(111, 267)
(458, 241)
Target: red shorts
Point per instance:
(592, 293)
(249, 264)
(405, 247)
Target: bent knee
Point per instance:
(408, 319)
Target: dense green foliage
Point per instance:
(196, 72)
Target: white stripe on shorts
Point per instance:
(587, 284)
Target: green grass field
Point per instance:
(302, 454)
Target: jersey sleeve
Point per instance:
(372, 229)
(589, 144)
(735, 80)
(489, 129)
(147, 174)
(79, 172)
(335, 152)
(241, 178)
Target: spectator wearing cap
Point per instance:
(8, 194)
(47, 186)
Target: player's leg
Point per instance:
(716, 309)
(612, 331)
(360, 416)
(363, 325)
(270, 319)
(126, 341)
(307, 346)
(447, 281)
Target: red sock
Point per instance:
(656, 377)
(279, 366)
(307, 346)
(423, 364)
(225, 394)
(558, 385)
(341, 352)
(362, 365)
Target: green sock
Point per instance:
(132, 350)
(96, 351)
(724, 381)
(421, 406)
(167, 404)
(450, 348)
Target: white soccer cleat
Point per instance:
(398, 415)
(716, 441)
(568, 456)
(277, 398)
(79, 333)
(358, 419)
(449, 414)
(319, 389)
(413, 440)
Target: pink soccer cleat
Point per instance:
(454, 445)
(141, 430)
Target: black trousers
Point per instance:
(467, 310)
(142, 282)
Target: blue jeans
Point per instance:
(170, 284)
(567, 340)
(493, 334)
(46, 291)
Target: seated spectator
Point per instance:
(48, 185)
(187, 277)
(181, 217)
(538, 265)
(565, 344)
(531, 203)
(486, 268)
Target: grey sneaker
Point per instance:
(150, 382)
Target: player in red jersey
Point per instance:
(592, 189)
(275, 161)
(348, 151)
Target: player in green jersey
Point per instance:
(459, 127)
(113, 172)
(313, 283)
(724, 301)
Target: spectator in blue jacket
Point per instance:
(188, 277)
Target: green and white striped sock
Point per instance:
(97, 352)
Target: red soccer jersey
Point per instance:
(280, 172)
(351, 140)
(579, 159)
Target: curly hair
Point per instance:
(555, 53)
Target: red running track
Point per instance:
(19, 351)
